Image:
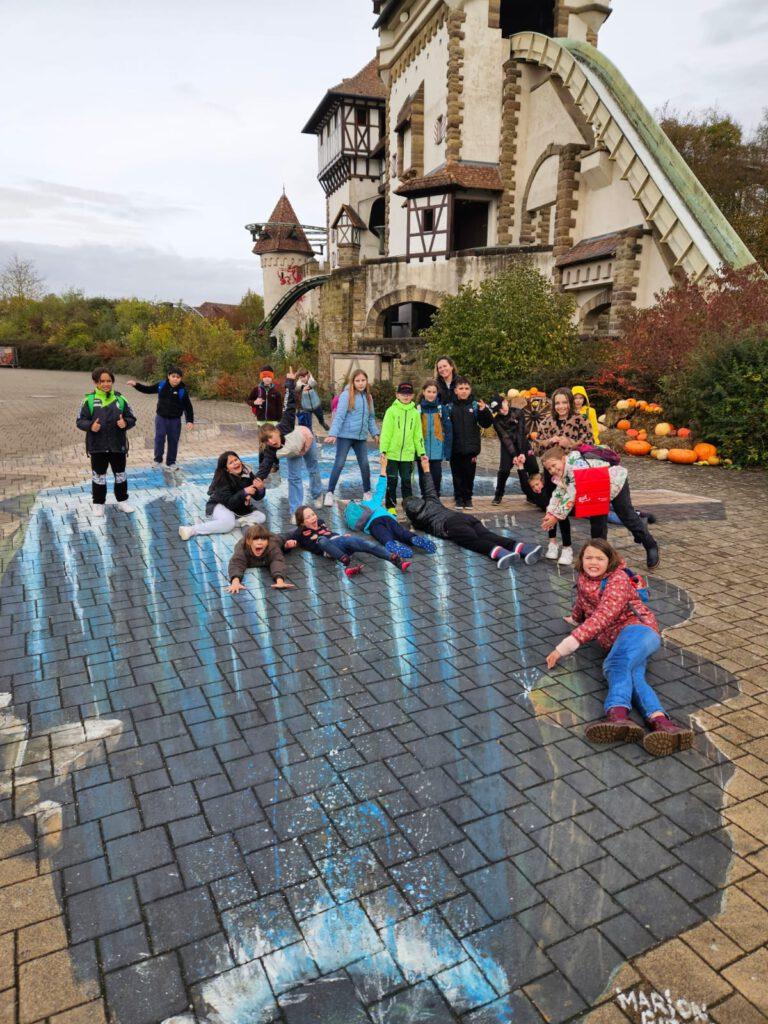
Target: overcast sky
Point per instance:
(138, 137)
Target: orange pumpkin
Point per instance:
(633, 433)
(683, 456)
(623, 425)
(637, 447)
(642, 435)
(684, 432)
(663, 429)
(642, 406)
(704, 451)
(631, 402)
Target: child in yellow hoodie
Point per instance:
(582, 404)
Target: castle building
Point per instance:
(486, 131)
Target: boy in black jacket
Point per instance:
(467, 417)
(172, 403)
(429, 514)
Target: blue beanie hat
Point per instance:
(352, 514)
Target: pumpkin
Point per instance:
(713, 460)
(684, 432)
(663, 429)
(513, 393)
(622, 405)
(662, 454)
(623, 425)
(642, 405)
(682, 456)
(631, 403)
(705, 451)
(642, 435)
(633, 433)
(601, 420)
(637, 448)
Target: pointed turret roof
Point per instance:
(366, 84)
(283, 232)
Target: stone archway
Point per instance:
(374, 323)
(594, 309)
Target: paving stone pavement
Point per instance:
(365, 800)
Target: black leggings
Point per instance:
(625, 510)
(542, 500)
(100, 463)
(468, 532)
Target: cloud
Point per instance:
(734, 19)
(52, 198)
(143, 272)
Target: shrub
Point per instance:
(723, 393)
(383, 392)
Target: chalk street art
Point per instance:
(362, 800)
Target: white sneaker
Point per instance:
(553, 550)
(367, 496)
(328, 499)
(126, 507)
(566, 557)
(98, 512)
(185, 532)
(318, 502)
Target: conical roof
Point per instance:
(283, 232)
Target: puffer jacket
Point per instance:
(564, 495)
(436, 419)
(243, 558)
(355, 424)
(466, 419)
(107, 409)
(603, 611)
(401, 437)
(428, 513)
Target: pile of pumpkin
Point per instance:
(638, 428)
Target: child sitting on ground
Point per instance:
(428, 513)
(373, 518)
(609, 608)
(259, 549)
(313, 535)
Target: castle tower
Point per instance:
(286, 256)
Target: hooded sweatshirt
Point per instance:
(588, 412)
(401, 437)
(360, 514)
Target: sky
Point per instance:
(138, 137)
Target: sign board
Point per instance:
(8, 356)
(344, 364)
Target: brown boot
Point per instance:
(666, 737)
(616, 727)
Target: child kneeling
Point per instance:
(313, 535)
(373, 518)
(610, 609)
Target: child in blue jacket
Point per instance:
(437, 429)
(373, 518)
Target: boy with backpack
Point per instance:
(173, 402)
(467, 417)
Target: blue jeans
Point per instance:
(295, 482)
(170, 429)
(343, 444)
(341, 547)
(624, 669)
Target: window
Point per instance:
(527, 16)
(470, 224)
(428, 220)
(361, 117)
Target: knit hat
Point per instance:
(268, 372)
(405, 388)
(495, 403)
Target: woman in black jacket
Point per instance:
(234, 490)
(106, 418)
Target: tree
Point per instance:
(732, 168)
(506, 330)
(19, 281)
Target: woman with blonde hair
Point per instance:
(353, 421)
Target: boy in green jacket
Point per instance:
(401, 441)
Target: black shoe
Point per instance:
(652, 556)
(468, 504)
(496, 500)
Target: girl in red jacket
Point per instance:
(609, 609)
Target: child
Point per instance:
(437, 431)
(296, 445)
(563, 468)
(313, 535)
(265, 400)
(106, 418)
(231, 497)
(429, 514)
(309, 400)
(373, 518)
(401, 442)
(582, 406)
(172, 403)
(509, 424)
(467, 417)
(258, 549)
(609, 609)
(353, 421)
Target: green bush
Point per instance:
(723, 393)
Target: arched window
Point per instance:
(408, 320)
(527, 16)
(377, 221)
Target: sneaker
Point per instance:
(185, 532)
(353, 570)
(424, 543)
(367, 496)
(126, 507)
(328, 502)
(496, 500)
(652, 556)
(468, 504)
(505, 560)
(666, 737)
(616, 727)
(401, 550)
(99, 512)
(553, 550)
(318, 501)
(158, 463)
(458, 504)
(530, 553)
(403, 564)
(566, 556)
(392, 511)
